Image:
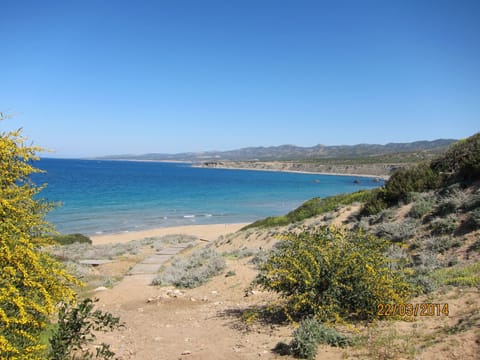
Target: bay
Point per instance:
(116, 196)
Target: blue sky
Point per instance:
(102, 77)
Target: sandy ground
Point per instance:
(201, 323)
(205, 323)
(204, 232)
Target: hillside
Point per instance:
(291, 152)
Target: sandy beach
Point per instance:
(205, 232)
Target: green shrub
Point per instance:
(461, 161)
(444, 226)
(465, 275)
(313, 207)
(260, 258)
(192, 271)
(422, 207)
(310, 334)
(71, 239)
(473, 201)
(441, 244)
(332, 274)
(451, 203)
(375, 204)
(75, 331)
(403, 182)
(423, 283)
(474, 220)
(397, 231)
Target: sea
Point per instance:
(102, 196)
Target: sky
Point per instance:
(92, 78)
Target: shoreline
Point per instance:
(208, 232)
(226, 167)
(382, 177)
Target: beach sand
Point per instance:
(206, 232)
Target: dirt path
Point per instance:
(202, 323)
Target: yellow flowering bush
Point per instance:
(31, 282)
(332, 274)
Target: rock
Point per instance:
(100, 288)
(175, 293)
(186, 352)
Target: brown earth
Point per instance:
(207, 322)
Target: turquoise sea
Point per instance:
(116, 196)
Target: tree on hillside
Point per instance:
(31, 282)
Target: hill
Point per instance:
(291, 152)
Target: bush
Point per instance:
(444, 226)
(473, 202)
(375, 204)
(440, 244)
(71, 238)
(400, 186)
(403, 182)
(466, 275)
(332, 274)
(260, 258)
(451, 203)
(461, 161)
(474, 220)
(74, 332)
(312, 332)
(422, 207)
(397, 231)
(32, 283)
(193, 271)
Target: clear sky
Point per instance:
(89, 78)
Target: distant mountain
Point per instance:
(291, 152)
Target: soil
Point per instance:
(206, 322)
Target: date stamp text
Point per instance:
(419, 309)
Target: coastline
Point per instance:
(275, 167)
(383, 177)
(209, 232)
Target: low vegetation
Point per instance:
(333, 275)
(74, 332)
(459, 165)
(71, 239)
(313, 207)
(310, 334)
(192, 271)
(388, 252)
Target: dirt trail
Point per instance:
(202, 323)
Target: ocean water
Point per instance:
(116, 196)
